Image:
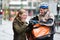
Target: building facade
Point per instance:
(30, 5)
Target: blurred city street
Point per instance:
(10, 8)
(6, 32)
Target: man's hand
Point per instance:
(33, 21)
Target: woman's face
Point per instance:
(23, 16)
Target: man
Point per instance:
(44, 18)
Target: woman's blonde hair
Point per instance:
(20, 12)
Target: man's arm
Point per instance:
(49, 22)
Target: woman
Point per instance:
(19, 25)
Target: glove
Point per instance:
(34, 22)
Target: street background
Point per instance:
(9, 9)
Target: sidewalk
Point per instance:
(57, 36)
(6, 32)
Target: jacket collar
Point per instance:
(19, 20)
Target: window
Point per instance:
(23, 0)
(39, 3)
(1, 0)
(15, 5)
(35, 4)
(29, 4)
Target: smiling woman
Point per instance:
(19, 25)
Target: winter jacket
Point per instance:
(19, 29)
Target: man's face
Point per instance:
(42, 11)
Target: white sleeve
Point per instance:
(52, 17)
